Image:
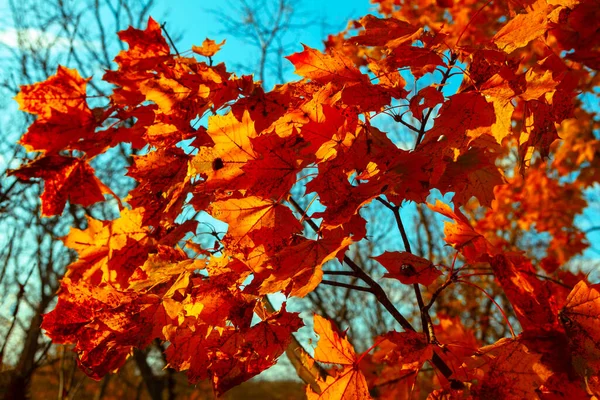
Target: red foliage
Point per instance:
(142, 277)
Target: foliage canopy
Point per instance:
(211, 142)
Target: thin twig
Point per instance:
(169, 38)
(346, 285)
(398, 118)
(344, 273)
(425, 317)
(453, 59)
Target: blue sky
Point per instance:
(195, 20)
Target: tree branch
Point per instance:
(378, 292)
(425, 317)
(346, 285)
(453, 59)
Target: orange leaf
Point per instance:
(408, 268)
(61, 92)
(66, 178)
(104, 324)
(254, 221)
(531, 298)
(581, 319)
(231, 356)
(104, 246)
(509, 370)
(461, 235)
(325, 68)
(146, 47)
(428, 97)
(334, 348)
(390, 32)
(522, 29)
(472, 174)
(209, 48)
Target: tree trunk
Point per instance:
(18, 386)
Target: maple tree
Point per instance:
(215, 144)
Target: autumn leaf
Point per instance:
(273, 173)
(411, 349)
(323, 68)
(253, 221)
(532, 299)
(476, 118)
(228, 356)
(232, 149)
(209, 48)
(389, 32)
(522, 29)
(471, 175)
(65, 178)
(507, 369)
(428, 97)
(334, 348)
(580, 317)
(163, 184)
(420, 60)
(461, 235)
(104, 245)
(296, 269)
(408, 268)
(62, 92)
(146, 47)
(126, 321)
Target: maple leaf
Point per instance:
(273, 173)
(64, 92)
(158, 271)
(532, 299)
(389, 32)
(163, 184)
(228, 356)
(167, 93)
(297, 268)
(74, 129)
(104, 324)
(324, 68)
(146, 47)
(471, 174)
(409, 348)
(461, 234)
(428, 97)
(580, 316)
(334, 348)
(232, 148)
(408, 268)
(458, 340)
(253, 220)
(420, 60)
(65, 178)
(508, 369)
(209, 48)
(476, 118)
(104, 245)
(522, 29)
